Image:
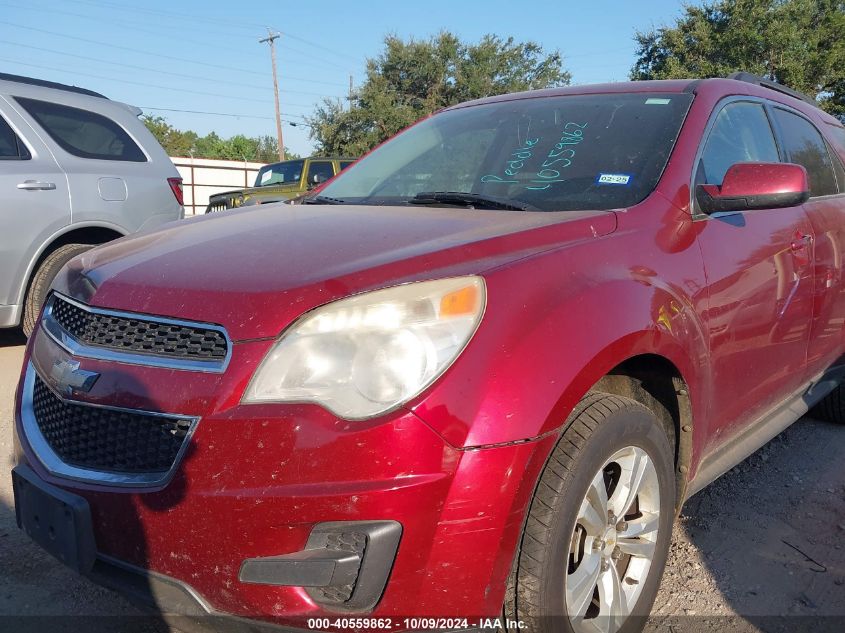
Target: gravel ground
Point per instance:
(764, 542)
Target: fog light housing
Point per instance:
(344, 566)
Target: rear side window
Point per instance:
(345, 163)
(11, 147)
(838, 134)
(803, 144)
(83, 133)
(740, 134)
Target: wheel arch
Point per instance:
(656, 383)
(89, 233)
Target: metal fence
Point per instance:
(203, 177)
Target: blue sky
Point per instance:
(205, 57)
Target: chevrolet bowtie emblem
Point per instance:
(70, 378)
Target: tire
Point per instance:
(557, 549)
(44, 275)
(831, 408)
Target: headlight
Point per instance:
(362, 356)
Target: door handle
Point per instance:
(36, 185)
(800, 242)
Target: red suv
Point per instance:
(476, 376)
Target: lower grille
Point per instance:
(104, 439)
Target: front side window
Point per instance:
(11, 147)
(321, 169)
(285, 173)
(803, 144)
(83, 133)
(740, 134)
(546, 154)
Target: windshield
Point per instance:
(543, 154)
(288, 172)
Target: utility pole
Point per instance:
(271, 40)
(350, 97)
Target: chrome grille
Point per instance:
(106, 439)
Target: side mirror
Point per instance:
(749, 186)
(318, 179)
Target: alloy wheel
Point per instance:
(613, 543)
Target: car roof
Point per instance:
(32, 88)
(291, 160)
(43, 83)
(724, 87)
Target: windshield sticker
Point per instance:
(266, 176)
(613, 179)
(655, 101)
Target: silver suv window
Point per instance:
(83, 133)
(11, 147)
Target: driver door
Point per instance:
(759, 273)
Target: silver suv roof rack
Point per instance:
(49, 84)
(771, 85)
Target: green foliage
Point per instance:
(799, 43)
(411, 79)
(261, 149)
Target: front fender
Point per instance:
(542, 345)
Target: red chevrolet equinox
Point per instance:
(474, 377)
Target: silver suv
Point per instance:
(76, 170)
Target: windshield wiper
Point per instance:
(474, 200)
(322, 200)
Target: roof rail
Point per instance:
(771, 85)
(49, 84)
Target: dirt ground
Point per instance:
(764, 542)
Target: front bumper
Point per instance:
(256, 480)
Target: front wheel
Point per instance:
(599, 527)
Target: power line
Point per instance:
(146, 85)
(146, 68)
(237, 116)
(316, 45)
(131, 50)
(133, 25)
(135, 28)
(227, 114)
(227, 22)
(224, 23)
(157, 71)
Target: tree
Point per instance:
(798, 43)
(175, 142)
(409, 80)
(261, 149)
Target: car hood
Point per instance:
(254, 271)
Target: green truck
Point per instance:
(282, 181)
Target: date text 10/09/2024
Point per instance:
(414, 624)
